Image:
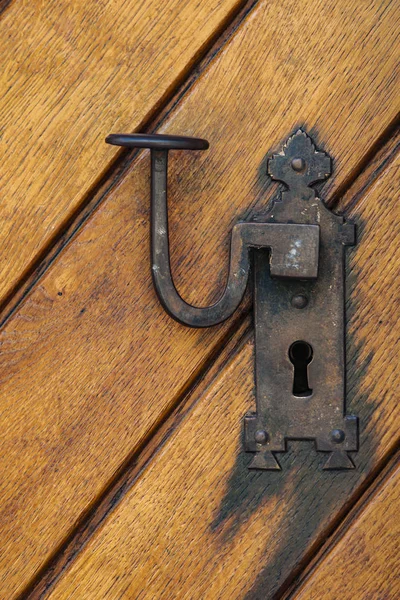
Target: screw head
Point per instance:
(337, 436)
(298, 164)
(299, 301)
(261, 436)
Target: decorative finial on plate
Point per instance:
(299, 165)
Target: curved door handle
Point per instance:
(298, 300)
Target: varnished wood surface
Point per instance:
(72, 72)
(90, 363)
(364, 564)
(198, 523)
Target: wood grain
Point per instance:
(90, 363)
(71, 73)
(198, 523)
(364, 564)
(107, 501)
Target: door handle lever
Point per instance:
(297, 259)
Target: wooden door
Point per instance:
(123, 470)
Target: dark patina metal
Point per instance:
(298, 265)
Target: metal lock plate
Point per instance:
(297, 254)
(299, 327)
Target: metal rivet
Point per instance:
(298, 164)
(337, 436)
(299, 301)
(261, 436)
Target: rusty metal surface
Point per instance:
(298, 260)
(299, 326)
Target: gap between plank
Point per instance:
(156, 437)
(135, 465)
(123, 163)
(366, 495)
(4, 4)
(295, 578)
(123, 160)
(372, 164)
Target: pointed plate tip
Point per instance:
(265, 461)
(340, 460)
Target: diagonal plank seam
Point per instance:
(121, 458)
(123, 161)
(333, 531)
(391, 132)
(4, 4)
(135, 465)
(114, 173)
(348, 519)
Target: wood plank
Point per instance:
(198, 522)
(71, 73)
(72, 546)
(364, 564)
(90, 363)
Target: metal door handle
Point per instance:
(300, 370)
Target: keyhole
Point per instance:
(300, 354)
